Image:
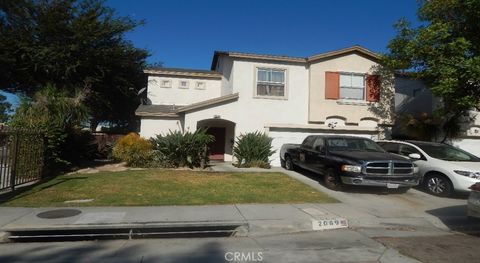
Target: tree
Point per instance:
(58, 116)
(76, 45)
(444, 51)
(5, 108)
(155, 65)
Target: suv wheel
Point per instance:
(438, 184)
(332, 180)
(288, 163)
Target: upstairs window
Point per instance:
(183, 84)
(352, 86)
(165, 83)
(200, 85)
(270, 82)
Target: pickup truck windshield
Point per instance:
(352, 144)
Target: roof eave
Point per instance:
(339, 52)
(216, 54)
(183, 73)
(156, 114)
(241, 55)
(207, 103)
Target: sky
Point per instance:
(185, 33)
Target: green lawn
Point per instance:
(167, 187)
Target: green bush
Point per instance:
(177, 149)
(107, 150)
(80, 146)
(259, 164)
(134, 150)
(253, 150)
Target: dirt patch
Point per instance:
(436, 249)
(114, 167)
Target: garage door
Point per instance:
(283, 136)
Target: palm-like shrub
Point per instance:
(134, 150)
(253, 150)
(55, 113)
(179, 149)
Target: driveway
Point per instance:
(444, 213)
(418, 225)
(369, 206)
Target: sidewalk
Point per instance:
(256, 219)
(283, 232)
(259, 219)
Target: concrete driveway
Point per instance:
(370, 206)
(444, 213)
(416, 224)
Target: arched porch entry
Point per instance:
(224, 132)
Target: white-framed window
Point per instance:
(352, 86)
(270, 82)
(200, 85)
(165, 83)
(183, 84)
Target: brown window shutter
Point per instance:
(332, 85)
(373, 87)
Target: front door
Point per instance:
(217, 147)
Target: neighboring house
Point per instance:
(413, 97)
(287, 97)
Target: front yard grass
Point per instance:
(167, 187)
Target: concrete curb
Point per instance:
(4, 237)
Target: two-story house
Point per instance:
(287, 97)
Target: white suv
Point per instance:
(444, 168)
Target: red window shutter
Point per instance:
(332, 85)
(373, 87)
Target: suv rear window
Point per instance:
(447, 152)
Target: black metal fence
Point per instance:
(21, 157)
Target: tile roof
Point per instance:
(173, 110)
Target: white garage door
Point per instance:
(281, 137)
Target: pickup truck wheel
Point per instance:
(289, 163)
(332, 180)
(438, 184)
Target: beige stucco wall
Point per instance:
(182, 96)
(320, 108)
(225, 66)
(150, 127)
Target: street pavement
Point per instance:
(381, 225)
(329, 246)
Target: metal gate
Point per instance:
(21, 157)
